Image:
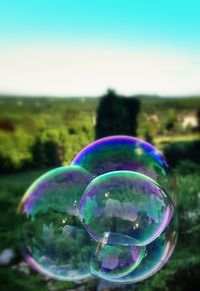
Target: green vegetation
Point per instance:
(48, 132)
(38, 134)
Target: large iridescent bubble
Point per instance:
(156, 256)
(107, 215)
(129, 206)
(53, 240)
(117, 153)
(115, 261)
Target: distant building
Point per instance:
(151, 117)
(189, 119)
(154, 117)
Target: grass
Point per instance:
(159, 141)
(184, 262)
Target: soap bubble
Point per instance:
(115, 261)
(54, 241)
(157, 255)
(107, 215)
(130, 206)
(122, 153)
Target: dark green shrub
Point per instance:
(179, 151)
(117, 115)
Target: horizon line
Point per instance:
(139, 95)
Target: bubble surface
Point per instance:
(157, 255)
(115, 261)
(130, 206)
(54, 241)
(117, 153)
(107, 215)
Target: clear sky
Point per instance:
(83, 47)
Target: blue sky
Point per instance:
(158, 31)
(144, 22)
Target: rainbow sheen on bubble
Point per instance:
(128, 205)
(109, 214)
(157, 255)
(54, 241)
(117, 153)
(115, 261)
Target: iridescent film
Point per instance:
(107, 216)
(122, 153)
(115, 261)
(130, 206)
(156, 256)
(53, 239)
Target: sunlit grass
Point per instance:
(175, 138)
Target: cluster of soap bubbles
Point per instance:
(105, 215)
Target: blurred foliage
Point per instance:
(45, 132)
(184, 265)
(38, 134)
(179, 151)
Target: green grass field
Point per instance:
(159, 141)
(183, 265)
(43, 133)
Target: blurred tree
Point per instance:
(148, 137)
(179, 151)
(48, 153)
(72, 130)
(38, 155)
(7, 125)
(14, 150)
(198, 119)
(171, 120)
(117, 115)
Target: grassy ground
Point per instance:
(159, 141)
(185, 262)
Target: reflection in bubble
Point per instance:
(53, 239)
(130, 206)
(117, 153)
(108, 214)
(115, 261)
(157, 254)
